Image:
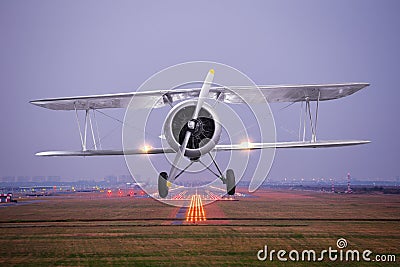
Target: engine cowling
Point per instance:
(205, 134)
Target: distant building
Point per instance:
(53, 179)
(111, 179)
(38, 179)
(125, 179)
(23, 179)
(8, 179)
(5, 198)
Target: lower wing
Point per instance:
(232, 147)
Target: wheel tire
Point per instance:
(230, 182)
(162, 185)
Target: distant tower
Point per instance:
(348, 191)
(333, 186)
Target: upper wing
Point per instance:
(297, 93)
(160, 98)
(93, 101)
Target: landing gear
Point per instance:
(162, 185)
(230, 182)
(229, 179)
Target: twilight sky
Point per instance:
(66, 48)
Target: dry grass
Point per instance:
(90, 230)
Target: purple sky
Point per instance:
(67, 48)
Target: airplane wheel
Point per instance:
(162, 185)
(230, 182)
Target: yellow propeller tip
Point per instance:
(212, 71)
(169, 184)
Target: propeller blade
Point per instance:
(203, 93)
(179, 155)
(202, 96)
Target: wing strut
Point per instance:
(316, 116)
(79, 127)
(88, 122)
(91, 129)
(313, 121)
(97, 129)
(85, 136)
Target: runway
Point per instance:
(195, 207)
(89, 229)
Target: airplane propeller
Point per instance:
(191, 124)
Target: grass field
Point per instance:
(91, 230)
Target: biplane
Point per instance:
(192, 129)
